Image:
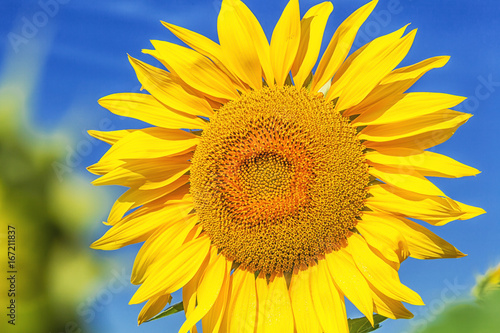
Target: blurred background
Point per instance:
(58, 57)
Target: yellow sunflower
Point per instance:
(269, 193)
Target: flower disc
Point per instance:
(278, 179)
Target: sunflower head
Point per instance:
(278, 179)
(269, 191)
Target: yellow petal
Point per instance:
(242, 309)
(209, 287)
(339, 46)
(422, 243)
(304, 314)
(469, 211)
(405, 179)
(102, 168)
(380, 98)
(443, 119)
(379, 273)
(151, 142)
(350, 281)
(176, 271)
(212, 322)
(415, 71)
(285, 41)
(244, 43)
(146, 108)
(262, 289)
(151, 184)
(110, 137)
(196, 70)
(167, 89)
(206, 47)
(312, 27)
(421, 141)
(166, 239)
(134, 198)
(275, 309)
(153, 307)
(134, 173)
(425, 162)
(385, 238)
(412, 105)
(392, 87)
(432, 209)
(141, 222)
(328, 301)
(389, 307)
(190, 293)
(369, 67)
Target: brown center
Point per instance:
(278, 179)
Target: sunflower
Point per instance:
(270, 193)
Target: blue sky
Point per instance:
(81, 46)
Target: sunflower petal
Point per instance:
(379, 273)
(415, 71)
(339, 46)
(440, 120)
(168, 91)
(262, 289)
(101, 168)
(274, 307)
(432, 209)
(385, 238)
(328, 300)
(425, 162)
(405, 179)
(182, 265)
(174, 234)
(242, 309)
(153, 307)
(390, 90)
(146, 108)
(304, 314)
(285, 41)
(469, 211)
(141, 222)
(190, 294)
(350, 281)
(389, 307)
(422, 243)
(206, 47)
(212, 322)
(208, 290)
(244, 43)
(110, 137)
(412, 105)
(312, 27)
(423, 140)
(151, 142)
(134, 173)
(196, 70)
(135, 197)
(372, 64)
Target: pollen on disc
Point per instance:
(278, 179)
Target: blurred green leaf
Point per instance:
(178, 307)
(362, 325)
(478, 317)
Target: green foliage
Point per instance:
(178, 307)
(56, 272)
(479, 316)
(362, 325)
